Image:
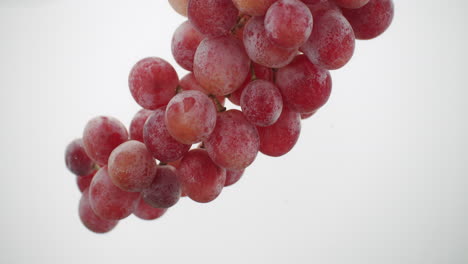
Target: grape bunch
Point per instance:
(269, 57)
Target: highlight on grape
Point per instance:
(270, 57)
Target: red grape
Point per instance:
(147, 212)
(253, 7)
(320, 7)
(138, 121)
(77, 160)
(153, 82)
(307, 115)
(158, 140)
(101, 136)
(89, 219)
(372, 19)
(261, 49)
(200, 177)
(184, 44)
(234, 142)
(109, 201)
(131, 166)
(280, 138)
(190, 117)
(288, 23)
(212, 17)
(232, 177)
(259, 72)
(331, 44)
(83, 182)
(221, 65)
(180, 6)
(304, 86)
(189, 83)
(351, 3)
(164, 191)
(261, 103)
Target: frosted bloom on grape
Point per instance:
(190, 117)
(221, 65)
(331, 44)
(261, 103)
(101, 136)
(304, 86)
(185, 42)
(288, 23)
(138, 121)
(153, 82)
(90, 220)
(372, 19)
(212, 17)
(131, 166)
(158, 140)
(261, 49)
(165, 190)
(234, 142)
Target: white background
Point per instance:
(379, 175)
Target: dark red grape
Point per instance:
(83, 182)
(77, 160)
(146, 212)
(165, 190)
(90, 220)
(212, 17)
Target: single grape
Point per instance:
(180, 6)
(261, 103)
(331, 44)
(253, 7)
(185, 42)
(280, 138)
(165, 190)
(83, 182)
(233, 177)
(288, 23)
(109, 201)
(234, 142)
(101, 136)
(200, 177)
(261, 49)
(190, 117)
(158, 140)
(138, 121)
(189, 83)
(221, 65)
(307, 115)
(131, 166)
(351, 3)
(153, 82)
(146, 212)
(304, 86)
(76, 159)
(371, 20)
(90, 220)
(212, 17)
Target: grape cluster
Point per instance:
(270, 57)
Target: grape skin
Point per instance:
(288, 23)
(101, 136)
(352, 4)
(261, 49)
(234, 142)
(131, 166)
(212, 18)
(201, 179)
(257, 72)
(138, 121)
(109, 201)
(332, 42)
(83, 182)
(371, 20)
(180, 6)
(261, 103)
(190, 117)
(158, 140)
(253, 7)
(304, 86)
(221, 65)
(280, 138)
(184, 43)
(307, 115)
(189, 83)
(90, 220)
(232, 177)
(164, 191)
(146, 212)
(76, 159)
(153, 82)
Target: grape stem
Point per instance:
(178, 89)
(219, 106)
